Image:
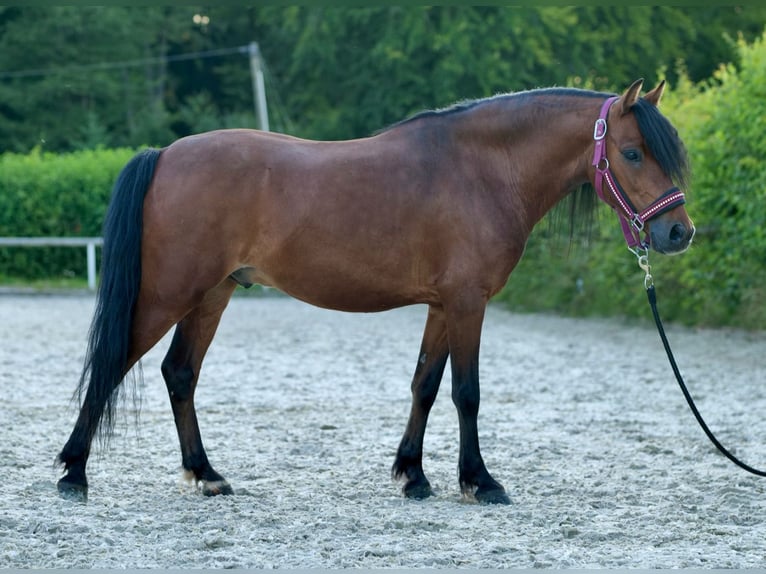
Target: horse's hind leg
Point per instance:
(148, 326)
(425, 385)
(180, 369)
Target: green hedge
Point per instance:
(43, 194)
(721, 280)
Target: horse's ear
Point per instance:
(655, 95)
(630, 97)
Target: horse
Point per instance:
(434, 210)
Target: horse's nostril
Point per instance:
(677, 233)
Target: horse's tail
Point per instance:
(109, 339)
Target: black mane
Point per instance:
(579, 207)
(467, 105)
(660, 135)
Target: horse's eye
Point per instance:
(632, 155)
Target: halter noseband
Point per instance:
(632, 221)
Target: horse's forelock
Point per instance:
(663, 142)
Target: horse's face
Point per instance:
(633, 161)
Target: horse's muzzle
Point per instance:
(671, 237)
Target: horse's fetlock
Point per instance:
(403, 467)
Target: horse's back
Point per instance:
(340, 224)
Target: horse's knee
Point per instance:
(179, 380)
(466, 398)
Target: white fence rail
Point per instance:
(90, 244)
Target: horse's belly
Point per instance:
(357, 302)
(342, 292)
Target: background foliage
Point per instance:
(46, 194)
(721, 280)
(76, 77)
(82, 88)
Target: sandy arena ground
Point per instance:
(302, 410)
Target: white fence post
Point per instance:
(91, 250)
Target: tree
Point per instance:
(117, 75)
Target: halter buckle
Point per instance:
(599, 129)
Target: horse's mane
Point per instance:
(467, 105)
(577, 210)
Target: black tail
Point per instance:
(109, 339)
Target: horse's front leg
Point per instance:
(464, 322)
(425, 385)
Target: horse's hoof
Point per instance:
(417, 490)
(75, 491)
(492, 496)
(216, 487)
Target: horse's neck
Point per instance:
(539, 146)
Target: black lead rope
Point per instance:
(652, 295)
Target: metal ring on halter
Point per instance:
(599, 129)
(606, 164)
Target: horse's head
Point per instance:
(640, 164)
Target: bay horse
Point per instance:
(434, 210)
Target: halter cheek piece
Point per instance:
(631, 220)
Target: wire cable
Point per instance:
(123, 64)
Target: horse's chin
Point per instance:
(671, 250)
(673, 253)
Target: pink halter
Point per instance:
(632, 221)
